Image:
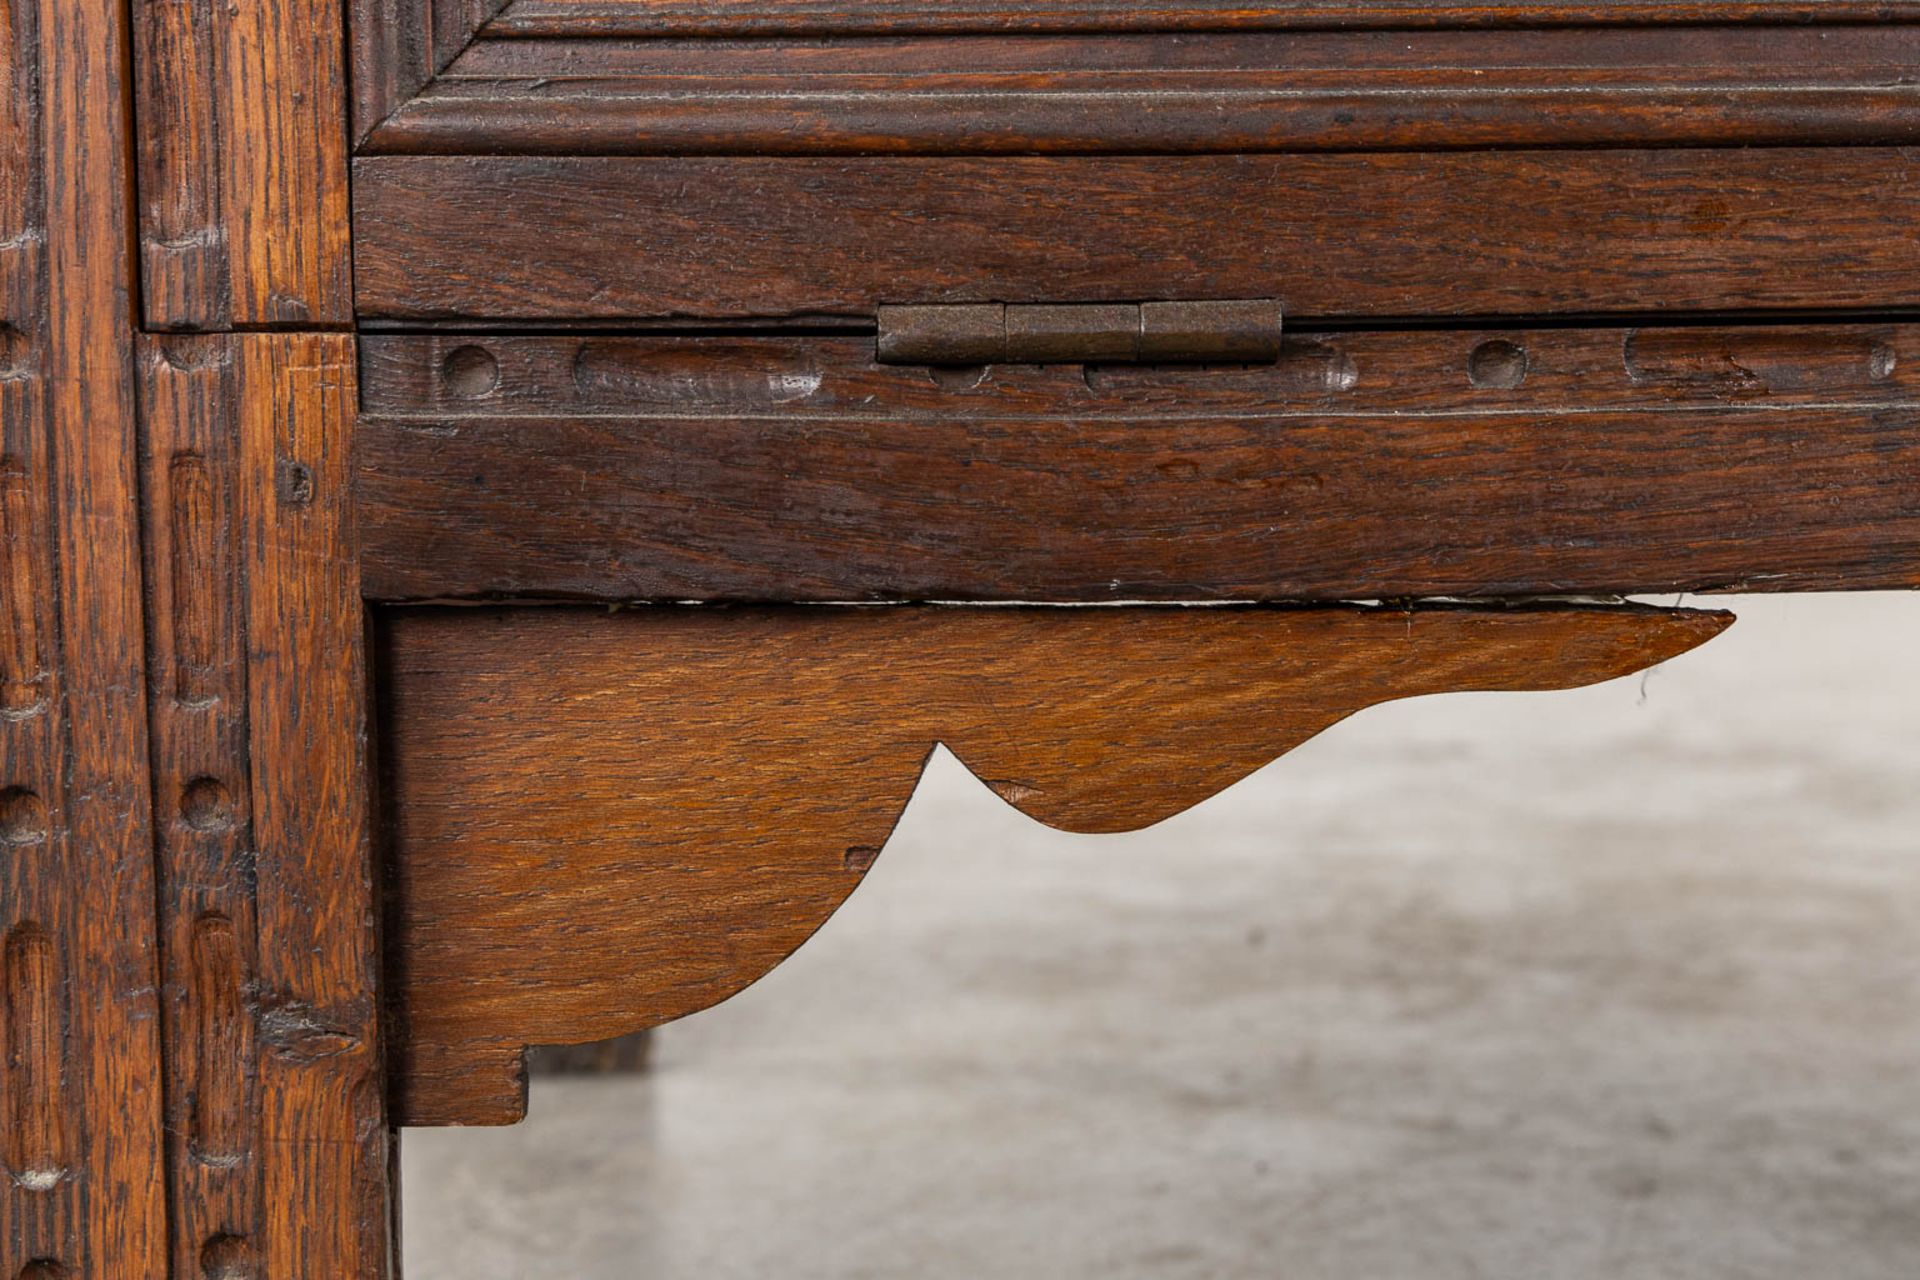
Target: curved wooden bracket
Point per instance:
(607, 821)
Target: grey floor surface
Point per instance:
(1623, 982)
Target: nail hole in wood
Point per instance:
(293, 482)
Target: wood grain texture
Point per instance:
(21, 215)
(1332, 236)
(398, 46)
(81, 1194)
(703, 17)
(243, 163)
(277, 1143)
(1361, 466)
(322, 1121)
(609, 820)
(1135, 94)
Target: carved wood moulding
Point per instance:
(661, 17)
(609, 820)
(594, 76)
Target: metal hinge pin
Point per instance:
(1241, 331)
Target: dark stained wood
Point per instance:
(1361, 466)
(82, 1194)
(393, 57)
(243, 165)
(1341, 236)
(398, 46)
(703, 17)
(401, 47)
(1249, 91)
(277, 1144)
(614, 819)
(1664, 367)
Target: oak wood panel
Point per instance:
(82, 1196)
(278, 1146)
(321, 1078)
(20, 212)
(1333, 236)
(1360, 466)
(606, 821)
(201, 770)
(243, 163)
(704, 17)
(1249, 91)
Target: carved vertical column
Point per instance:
(277, 1135)
(278, 1143)
(243, 184)
(197, 671)
(81, 1192)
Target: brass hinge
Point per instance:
(1245, 331)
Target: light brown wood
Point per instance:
(243, 163)
(278, 1142)
(321, 1076)
(82, 1191)
(604, 821)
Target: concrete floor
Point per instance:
(1623, 982)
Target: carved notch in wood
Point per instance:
(605, 821)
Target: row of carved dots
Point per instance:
(29, 983)
(223, 1258)
(217, 1117)
(470, 371)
